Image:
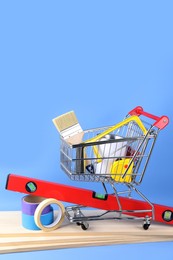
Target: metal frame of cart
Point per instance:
(116, 155)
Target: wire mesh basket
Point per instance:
(118, 153)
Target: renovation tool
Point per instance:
(69, 127)
(58, 219)
(29, 206)
(30, 203)
(71, 131)
(133, 208)
(119, 167)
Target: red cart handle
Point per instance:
(160, 122)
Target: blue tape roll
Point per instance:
(29, 223)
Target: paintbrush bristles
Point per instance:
(65, 121)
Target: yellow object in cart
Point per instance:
(126, 121)
(119, 168)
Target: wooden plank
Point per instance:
(15, 238)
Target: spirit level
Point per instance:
(89, 198)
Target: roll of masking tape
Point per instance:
(28, 221)
(57, 221)
(30, 203)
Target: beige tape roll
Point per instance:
(58, 220)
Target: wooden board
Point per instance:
(15, 238)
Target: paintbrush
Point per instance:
(69, 127)
(71, 131)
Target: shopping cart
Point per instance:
(116, 155)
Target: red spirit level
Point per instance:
(89, 198)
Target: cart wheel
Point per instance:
(146, 226)
(84, 226)
(78, 223)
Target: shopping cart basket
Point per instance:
(115, 155)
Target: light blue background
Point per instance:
(100, 59)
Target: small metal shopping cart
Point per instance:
(116, 156)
